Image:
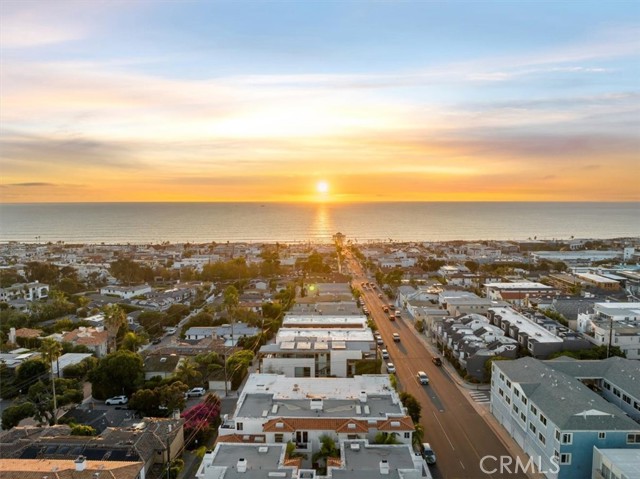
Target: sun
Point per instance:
(322, 187)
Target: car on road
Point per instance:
(117, 400)
(385, 308)
(436, 360)
(171, 331)
(398, 314)
(427, 453)
(156, 341)
(385, 354)
(396, 337)
(195, 392)
(392, 317)
(380, 295)
(422, 377)
(391, 368)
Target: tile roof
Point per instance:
(339, 425)
(28, 333)
(65, 469)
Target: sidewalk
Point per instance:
(483, 409)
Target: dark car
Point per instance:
(156, 341)
(436, 360)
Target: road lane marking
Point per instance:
(462, 465)
(445, 432)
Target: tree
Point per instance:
(120, 372)
(29, 372)
(414, 409)
(188, 373)
(51, 351)
(132, 341)
(159, 401)
(327, 449)
(114, 319)
(200, 418)
(237, 365)
(12, 415)
(82, 430)
(418, 435)
(385, 438)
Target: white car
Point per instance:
(391, 369)
(422, 377)
(171, 331)
(195, 392)
(116, 400)
(385, 354)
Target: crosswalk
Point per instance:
(481, 396)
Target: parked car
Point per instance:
(396, 337)
(385, 354)
(422, 377)
(117, 400)
(391, 368)
(156, 341)
(171, 331)
(195, 392)
(436, 360)
(428, 454)
(379, 341)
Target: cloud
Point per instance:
(30, 184)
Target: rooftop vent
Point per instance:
(363, 396)
(384, 467)
(354, 446)
(263, 449)
(316, 404)
(241, 466)
(81, 463)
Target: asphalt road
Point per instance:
(458, 435)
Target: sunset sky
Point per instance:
(265, 100)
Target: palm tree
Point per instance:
(188, 373)
(114, 319)
(51, 350)
(385, 438)
(327, 449)
(418, 435)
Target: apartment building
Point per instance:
(517, 293)
(559, 410)
(27, 291)
(278, 409)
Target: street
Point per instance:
(459, 436)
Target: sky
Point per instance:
(322, 101)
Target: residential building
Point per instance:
(161, 365)
(79, 468)
(539, 336)
(27, 291)
(278, 409)
(318, 346)
(96, 339)
(517, 293)
(553, 412)
(599, 281)
(615, 463)
(126, 292)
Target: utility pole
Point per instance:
(610, 334)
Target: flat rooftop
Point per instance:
(323, 321)
(519, 285)
(527, 326)
(627, 461)
(338, 334)
(340, 397)
(362, 461)
(261, 460)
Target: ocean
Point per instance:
(138, 223)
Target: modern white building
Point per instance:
(278, 409)
(126, 292)
(27, 291)
(616, 463)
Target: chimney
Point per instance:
(384, 467)
(241, 466)
(12, 335)
(81, 463)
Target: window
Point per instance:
(602, 435)
(523, 418)
(567, 438)
(407, 435)
(501, 377)
(532, 427)
(516, 391)
(534, 410)
(279, 437)
(616, 392)
(508, 383)
(541, 438)
(626, 399)
(239, 426)
(507, 400)
(501, 392)
(565, 458)
(557, 435)
(524, 400)
(543, 419)
(636, 405)
(515, 409)
(607, 385)
(633, 438)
